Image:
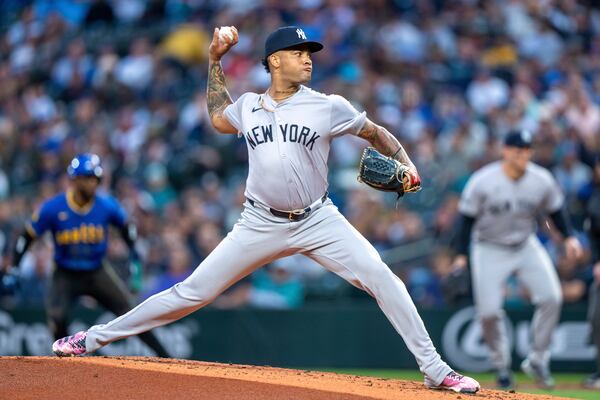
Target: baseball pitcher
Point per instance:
(288, 131)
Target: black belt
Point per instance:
(295, 215)
(511, 246)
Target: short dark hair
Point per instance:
(265, 63)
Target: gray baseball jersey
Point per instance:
(288, 143)
(504, 243)
(506, 209)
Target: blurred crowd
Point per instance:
(126, 79)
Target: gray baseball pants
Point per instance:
(259, 238)
(491, 266)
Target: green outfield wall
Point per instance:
(348, 336)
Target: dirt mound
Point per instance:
(24, 378)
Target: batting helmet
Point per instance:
(86, 164)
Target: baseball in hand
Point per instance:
(225, 34)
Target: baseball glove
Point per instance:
(386, 174)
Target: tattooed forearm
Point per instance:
(217, 97)
(384, 142)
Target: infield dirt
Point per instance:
(116, 378)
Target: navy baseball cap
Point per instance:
(289, 36)
(522, 139)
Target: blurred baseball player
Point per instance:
(288, 131)
(500, 204)
(79, 220)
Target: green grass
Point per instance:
(568, 385)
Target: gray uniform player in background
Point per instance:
(288, 131)
(499, 206)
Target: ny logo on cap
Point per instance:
(301, 34)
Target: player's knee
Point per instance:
(208, 295)
(552, 301)
(380, 279)
(196, 295)
(490, 315)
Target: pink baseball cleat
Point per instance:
(71, 345)
(455, 382)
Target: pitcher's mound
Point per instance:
(109, 378)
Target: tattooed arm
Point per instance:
(217, 96)
(384, 142)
